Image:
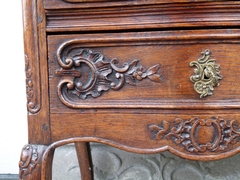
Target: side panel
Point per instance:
(36, 72)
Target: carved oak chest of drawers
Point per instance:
(142, 76)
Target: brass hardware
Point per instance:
(207, 74)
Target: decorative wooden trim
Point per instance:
(32, 103)
(99, 71)
(30, 164)
(218, 133)
(28, 160)
(31, 48)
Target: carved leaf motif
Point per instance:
(166, 125)
(155, 78)
(130, 80)
(32, 103)
(160, 134)
(152, 70)
(132, 66)
(161, 131)
(154, 128)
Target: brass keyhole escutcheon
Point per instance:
(207, 74)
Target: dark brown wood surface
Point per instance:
(120, 73)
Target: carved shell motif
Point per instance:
(87, 73)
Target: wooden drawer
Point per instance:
(148, 81)
(64, 4)
(142, 70)
(78, 16)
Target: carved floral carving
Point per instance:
(207, 75)
(28, 160)
(87, 73)
(219, 133)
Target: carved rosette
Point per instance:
(28, 160)
(198, 135)
(207, 75)
(86, 73)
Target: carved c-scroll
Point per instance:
(216, 133)
(28, 160)
(86, 73)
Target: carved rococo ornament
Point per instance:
(218, 133)
(207, 75)
(85, 73)
(28, 160)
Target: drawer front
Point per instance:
(63, 4)
(194, 136)
(145, 70)
(129, 15)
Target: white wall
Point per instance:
(13, 115)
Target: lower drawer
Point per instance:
(199, 136)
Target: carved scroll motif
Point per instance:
(28, 160)
(198, 135)
(85, 73)
(207, 75)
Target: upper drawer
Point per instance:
(63, 4)
(125, 15)
(176, 70)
